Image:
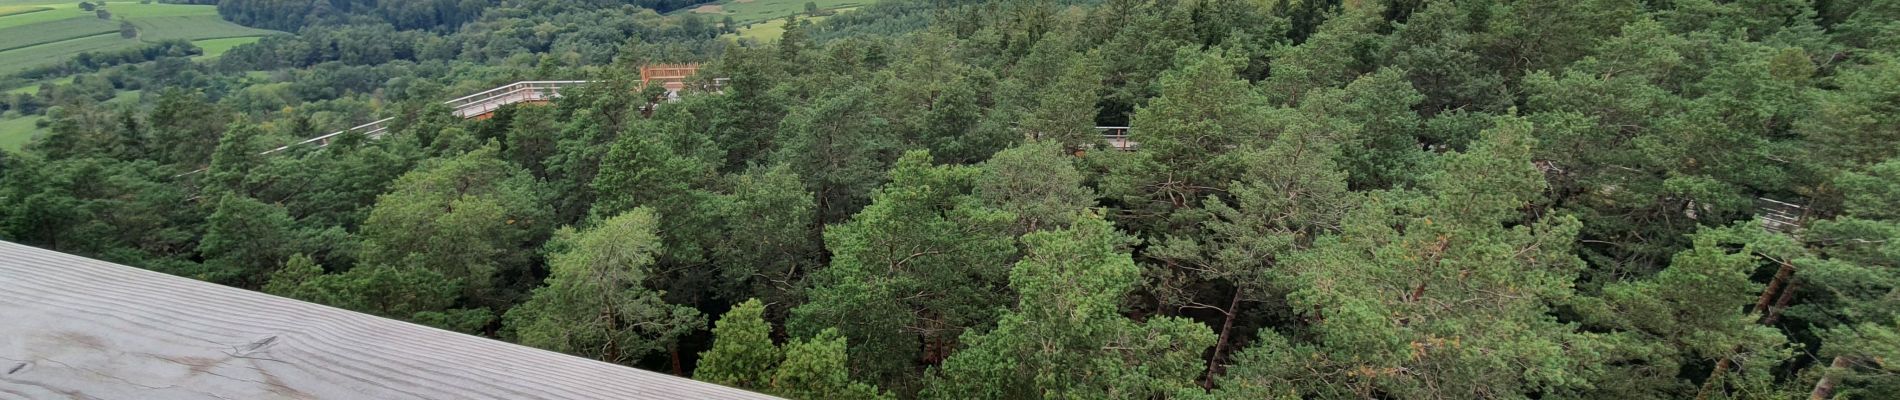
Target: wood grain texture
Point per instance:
(72, 327)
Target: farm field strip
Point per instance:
(216, 47)
(38, 34)
(752, 11)
(769, 30)
(133, 11)
(49, 15)
(48, 37)
(193, 27)
(16, 60)
(17, 10)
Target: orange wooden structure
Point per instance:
(672, 76)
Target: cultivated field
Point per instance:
(772, 29)
(25, 58)
(60, 30)
(68, 10)
(193, 27)
(750, 11)
(55, 31)
(17, 10)
(216, 47)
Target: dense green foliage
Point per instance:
(1511, 199)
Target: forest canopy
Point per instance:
(1393, 199)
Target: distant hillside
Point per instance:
(294, 15)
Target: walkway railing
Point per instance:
(487, 101)
(1779, 216)
(372, 129)
(1117, 137)
(469, 106)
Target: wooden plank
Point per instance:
(72, 327)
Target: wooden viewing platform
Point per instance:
(86, 329)
(672, 76)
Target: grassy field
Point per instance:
(17, 10)
(41, 38)
(193, 27)
(35, 87)
(52, 12)
(750, 11)
(15, 132)
(70, 10)
(65, 29)
(217, 47)
(772, 29)
(122, 97)
(24, 58)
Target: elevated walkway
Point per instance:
(482, 105)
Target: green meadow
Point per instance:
(15, 132)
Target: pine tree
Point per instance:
(247, 239)
(840, 150)
(1066, 338)
(1037, 182)
(1291, 192)
(474, 217)
(770, 238)
(742, 354)
(234, 158)
(816, 369)
(1440, 293)
(413, 294)
(595, 303)
(915, 269)
(1188, 137)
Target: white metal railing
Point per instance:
(372, 129)
(469, 106)
(487, 101)
(473, 98)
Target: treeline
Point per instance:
(165, 63)
(95, 60)
(439, 15)
(1460, 199)
(294, 15)
(575, 36)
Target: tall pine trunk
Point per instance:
(1767, 293)
(1772, 315)
(673, 350)
(1226, 331)
(1825, 388)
